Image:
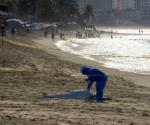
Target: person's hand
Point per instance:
(86, 80)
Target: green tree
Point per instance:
(66, 10)
(12, 5)
(88, 12)
(26, 7)
(45, 9)
(60, 10)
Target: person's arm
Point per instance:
(90, 82)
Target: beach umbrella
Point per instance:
(15, 23)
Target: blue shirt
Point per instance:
(95, 75)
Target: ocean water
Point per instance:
(124, 52)
(146, 31)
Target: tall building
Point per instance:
(105, 5)
(124, 4)
(144, 7)
(141, 6)
(133, 9)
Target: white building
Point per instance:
(124, 4)
(141, 7)
(127, 8)
(144, 7)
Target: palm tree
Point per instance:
(88, 12)
(65, 9)
(45, 9)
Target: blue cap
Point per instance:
(85, 70)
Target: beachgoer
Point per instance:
(80, 35)
(95, 75)
(111, 36)
(45, 32)
(86, 34)
(61, 36)
(53, 36)
(142, 32)
(2, 29)
(2, 32)
(77, 34)
(13, 32)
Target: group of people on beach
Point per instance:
(140, 31)
(53, 34)
(3, 31)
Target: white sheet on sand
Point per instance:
(75, 94)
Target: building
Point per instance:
(144, 7)
(140, 6)
(105, 5)
(105, 10)
(124, 4)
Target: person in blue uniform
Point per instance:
(98, 76)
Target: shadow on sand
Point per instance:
(75, 94)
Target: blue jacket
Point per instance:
(95, 75)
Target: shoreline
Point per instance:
(138, 79)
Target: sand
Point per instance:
(28, 71)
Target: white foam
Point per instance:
(125, 30)
(123, 52)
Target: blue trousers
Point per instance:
(100, 85)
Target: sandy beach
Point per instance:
(31, 66)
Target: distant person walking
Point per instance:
(61, 36)
(13, 32)
(111, 36)
(139, 32)
(45, 33)
(142, 32)
(53, 35)
(2, 32)
(2, 29)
